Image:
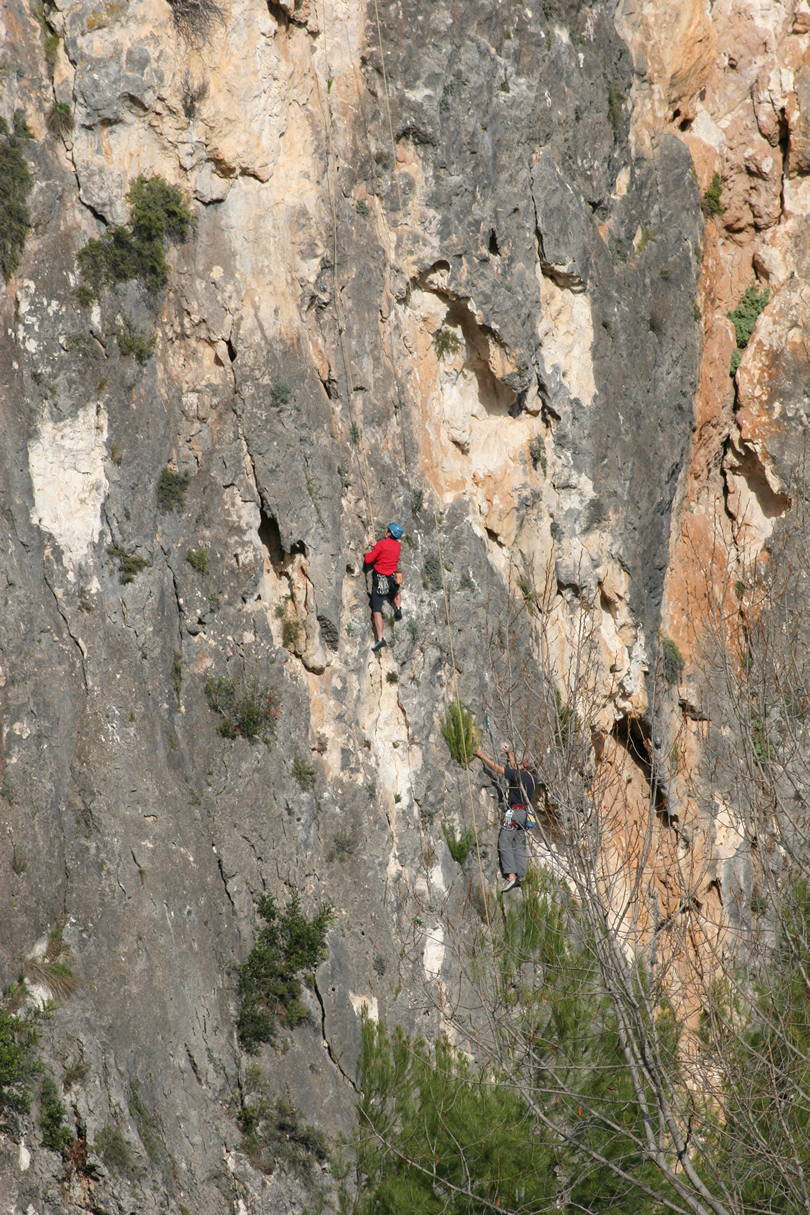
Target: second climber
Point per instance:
(383, 561)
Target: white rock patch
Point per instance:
(66, 463)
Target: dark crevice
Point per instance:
(633, 734)
(329, 632)
(270, 536)
(231, 350)
(326, 1041)
(494, 247)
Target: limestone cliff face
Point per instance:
(449, 266)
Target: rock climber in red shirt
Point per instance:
(383, 561)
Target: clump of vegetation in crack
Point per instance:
(134, 342)
(195, 19)
(158, 214)
(459, 846)
(129, 564)
(274, 1133)
(671, 661)
(432, 579)
(286, 953)
(15, 187)
(60, 118)
(246, 712)
(445, 343)
(460, 733)
(171, 490)
(114, 1150)
(55, 1134)
(197, 558)
(54, 970)
(712, 201)
(19, 1067)
(303, 771)
(744, 318)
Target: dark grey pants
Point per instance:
(513, 851)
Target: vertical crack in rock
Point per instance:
(76, 641)
(325, 1037)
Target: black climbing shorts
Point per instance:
(383, 590)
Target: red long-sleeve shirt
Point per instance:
(384, 556)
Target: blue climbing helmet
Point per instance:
(395, 530)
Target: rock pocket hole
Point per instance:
(270, 536)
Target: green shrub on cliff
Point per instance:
(15, 186)
(158, 214)
(460, 733)
(744, 317)
(287, 951)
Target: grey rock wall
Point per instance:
(454, 167)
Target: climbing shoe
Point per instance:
(397, 613)
(509, 885)
(379, 645)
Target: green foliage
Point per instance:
(288, 948)
(417, 501)
(432, 578)
(615, 102)
(460, 733)
(712, 203)
(460, 846)
(135, 342)
(280, 394)
(19, 1034)
(644, 239)
(744, 318)
(52, 1112)
(198, 559)
(445, 343)
(129, 564)
(303, 772)
(275, 1135)
(111, 1146)
(392, 677)
(440, 1135)
(671, 661)
(290, 632)
(246, 712)
(761, 1150)
(158, 214)
(361, 207)
(15, 186)
(345, 843)
(60, 118)
(171, 490)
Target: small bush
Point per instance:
(345, 843)
(274, 1135)
(60, 118)
(55, 1135)
(671, 661)
(460, 846)
(744, 318)
(19, 1034)
(248, 713)
(15, 186)
(615, 102)
(171, 490)
(445, 343)
(290, 632)
(135, 342)
(158, 213)
(129, 564)
(198, 559)
(361, 206)
(712, 202)
(303, 773)
(288, 949)
(460, 733)
(194, 19)
(111, 1146)
(280, 394)
(432, 579)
